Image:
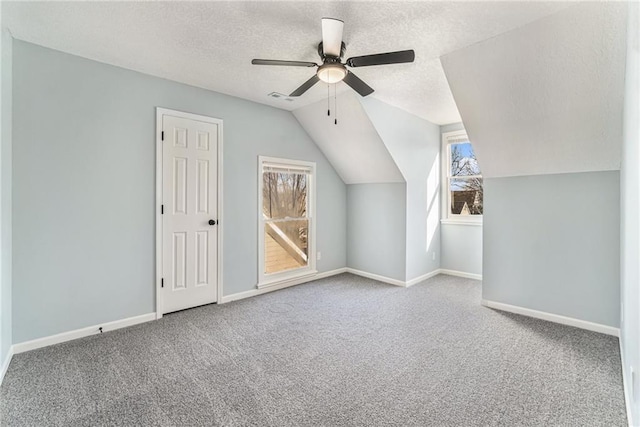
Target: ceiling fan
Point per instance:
(332, 70)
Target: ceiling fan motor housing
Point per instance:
(328, 58)
(332, 70)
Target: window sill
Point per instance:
(286, 280)
(461, 222)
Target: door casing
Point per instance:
(160, 112)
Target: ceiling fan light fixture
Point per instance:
(332, 72)
(331, 50)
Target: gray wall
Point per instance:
(376, 224)
(462, 248)
(630, 217)
(552, 243)
(84, 188)
(551, 238)
(353, 137)
(414, 144)
(5, 194)
(461, 244)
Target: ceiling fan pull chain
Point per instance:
(335, 103)
(328, 101)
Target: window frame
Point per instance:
(449, 138)
(273, 279)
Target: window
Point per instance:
(464, 200)
(286, 202)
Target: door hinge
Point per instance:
(162, 282)
(161, 209)
(162, 135)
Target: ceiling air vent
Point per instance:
(281, 96)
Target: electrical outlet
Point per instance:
(319, 256)
(433, 255)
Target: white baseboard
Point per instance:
(422, 278)
(287, 284)
(81, 333)
(625, 386)
(461, 274)
(395, 282)
(556, 318)
(5, 364)
(330, 273)
(377, 277)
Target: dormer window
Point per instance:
(463, 178)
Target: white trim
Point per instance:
(447, 217)
(556, 318)
(81, 333)
(377, 277)
(461, 274)
(625, 384)
(450, 221)
(422, 278)
(159, 300)
(220, 251)
(281, 285)
(330, 273)
(159, 113)
(268, 280)
(394, 282)
(318, 276)
(277, 282)
(5, 364)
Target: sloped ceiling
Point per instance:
(547, 97)
(211, 44)
(353, 146)
(409, 139)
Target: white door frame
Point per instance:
(159, 113)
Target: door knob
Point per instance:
(212, 222)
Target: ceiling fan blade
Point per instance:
(382, 58)
(332, 36)
(284, 63)
(358, 85)
(305, 86)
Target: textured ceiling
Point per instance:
(211, 44)
(552, 93)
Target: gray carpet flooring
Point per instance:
(343, 351)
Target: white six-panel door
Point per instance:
(189, 217)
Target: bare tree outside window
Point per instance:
(465, 181)
(284, 194)
(284, 207)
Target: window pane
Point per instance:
(284, 194)
(466, 196)
(463, 160)
(286, 245)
